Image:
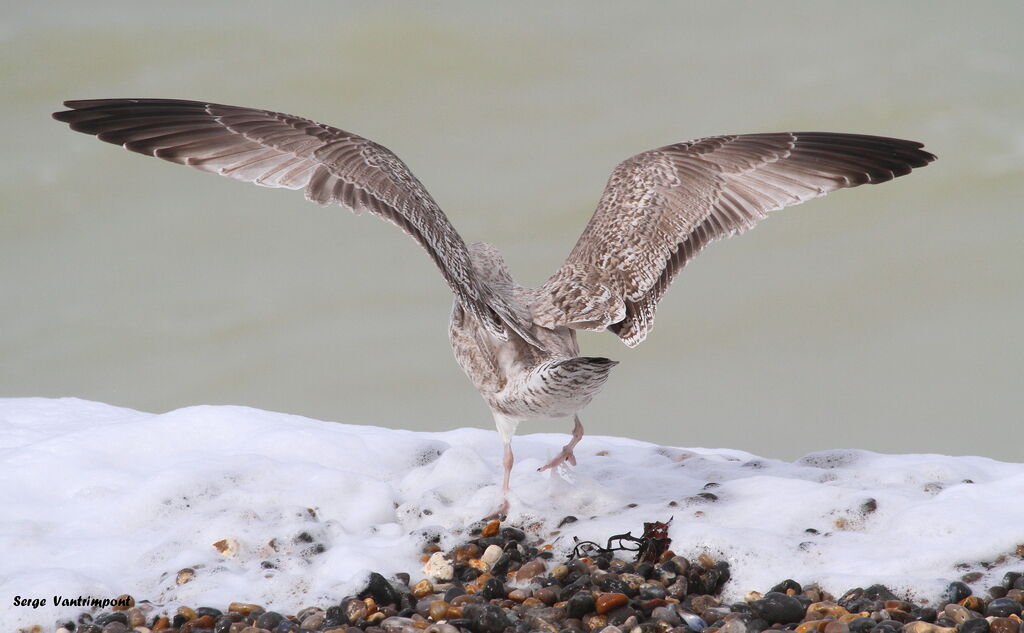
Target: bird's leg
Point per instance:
(502, 511)
(566, 454)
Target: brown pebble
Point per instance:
(128, 603)
(375, 617)
(974, 603)
(1003, 625)
(244, 608)
(337, 629)
(811, 625)
(205, 622)
(312, 621)
(490, 529)
(227, 547)
(479, 565)
(533, 603)
(595, 622)
(531, 569)
(355, 610)
(1016, 594)
(919, 626)
(518, 595)
(438, 610)
(705, 561)
(822, 610)
(185, 575)
(454, 613)
(136, 617)
(956, 613)
(703, 602)
(420, 589)
(467, 552)
(835, 626)
(189, 614)
(371, 606)
(161, 623)
(559, 572)
(547, 595)
(609, 601)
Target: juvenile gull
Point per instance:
(518, 345)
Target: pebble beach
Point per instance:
(503, 580)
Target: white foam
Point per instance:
(98, 500)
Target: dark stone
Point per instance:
(569, 590)
(709, 582)
(580, 605)
(602, 562)
(945, 623)
(974, 625)
(210, 611)
(381, 590)
(89, 628)
(336, 614)
(116, 616)
(500, 566)
(861, 625)
(611, 584)
(223, 624)
(493, 588)
(645, 570)
(887, 626)
(786, 585)
(724, 574)
(998, 591)
(1003, 608)
(484, 543)
(651, 592)
(67, 624)
(1010, 578)
(268, 620)
(286, 626)
(461, 623)
(756, 625)
(620, 615)
(778, 608)
(465, 573)
(453, 593)
(567, 520)
(513, 534)
(486, 618)
(1004, 625)
(879, 592)
(1019, 583)
(925, 614)
(957, 591)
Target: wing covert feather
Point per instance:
(662, 207)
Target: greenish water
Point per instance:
(886, 318)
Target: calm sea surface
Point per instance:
(887, 318)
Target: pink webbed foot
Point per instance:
(566, 454)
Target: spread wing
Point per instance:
(279, 150)
(661, 207)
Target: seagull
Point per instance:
(518, 345)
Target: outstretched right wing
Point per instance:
(272, 149)
(662, 207)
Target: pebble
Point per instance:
(1004, 625)
(439, 568)
(503, 580)
(606, 602)
(778, 608)
(1002, 607)
(491, 554)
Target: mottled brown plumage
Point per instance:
(517, 345)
